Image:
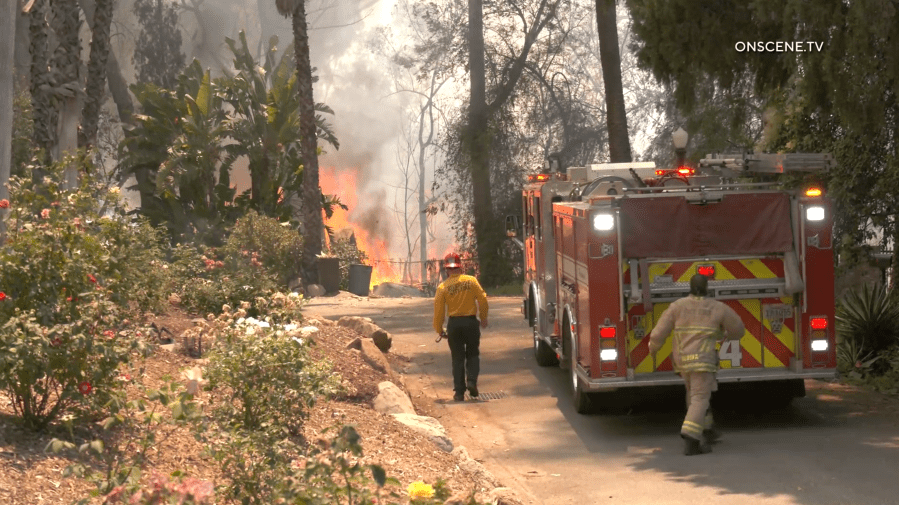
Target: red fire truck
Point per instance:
(608, 247)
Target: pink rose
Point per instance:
(4, 204)
(45, 214)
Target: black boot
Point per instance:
(693, 447)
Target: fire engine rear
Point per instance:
(608, 247)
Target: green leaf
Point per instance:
(178, 411)
(379, 475)
(97, 446)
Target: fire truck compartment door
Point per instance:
(740, 224)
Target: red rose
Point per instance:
(2, 296)
(4, 204)
(91, 278)
(85, 388)
(109, 334)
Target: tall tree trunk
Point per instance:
(478, 138)
(118, 87)
(66, 22)
(43, 111)
(96, 73)
(311, 192)
(7, 58)
(616, 119)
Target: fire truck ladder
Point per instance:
(763, 163)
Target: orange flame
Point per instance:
(343, 185)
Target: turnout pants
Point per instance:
(464, 337)
(699, 393)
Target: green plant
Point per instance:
(346, 250)
(276, 246)
(115, 460)
(208, 280)
(56, 369)
(65, 242)
(867, 325)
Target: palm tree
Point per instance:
(96, 72)
(311, 192)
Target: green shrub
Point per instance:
(867, 326)
(277, 246)
(348, 254)
(53, 369)
(62, 243)
(206, 281)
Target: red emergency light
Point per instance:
(706, 270)
(607, 332)
(661, 172)
(818, 323)
(685, 171)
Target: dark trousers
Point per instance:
(464, 336)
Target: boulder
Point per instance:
(504, 496)
(429, 427)
(374, 357)
(393, 400)
(395, 290)
(356, 343)
(314, 290)
(473, 468)
(361, 325)
(382, 339)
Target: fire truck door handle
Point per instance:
(636, 295)
(647, 299)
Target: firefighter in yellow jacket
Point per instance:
(697, 322)
(462, 298)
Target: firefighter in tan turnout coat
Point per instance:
(697, 323)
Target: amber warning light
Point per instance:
(539, 177)
(813, 191)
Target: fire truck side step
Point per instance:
(488, 396)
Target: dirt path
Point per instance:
(837, 446)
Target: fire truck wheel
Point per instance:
(543, 353)
(580, 398)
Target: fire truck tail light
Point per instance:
(603, 222)
(818, 323)
(661, 172)
(813, 191)
(607, 344)
(608, 355)
(819, 345)
(706, 270)
(814, 213)
(607, 332)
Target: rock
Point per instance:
(429, 427)
(472, 467)
(395, 290)
(314, 290)
(361, 325)
(393, 400)
(174, 299)
(295, 284)
(382, 339)
(504, 496)
(374, 357)
(355, 344)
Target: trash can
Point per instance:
(360, 279)
(329, 274)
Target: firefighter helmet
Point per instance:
(452, 260)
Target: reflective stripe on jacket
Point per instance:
(697, 323)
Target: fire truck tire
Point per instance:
(580, 398)
(543, 353)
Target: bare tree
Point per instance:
(607, 24)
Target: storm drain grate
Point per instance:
(488, 396)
